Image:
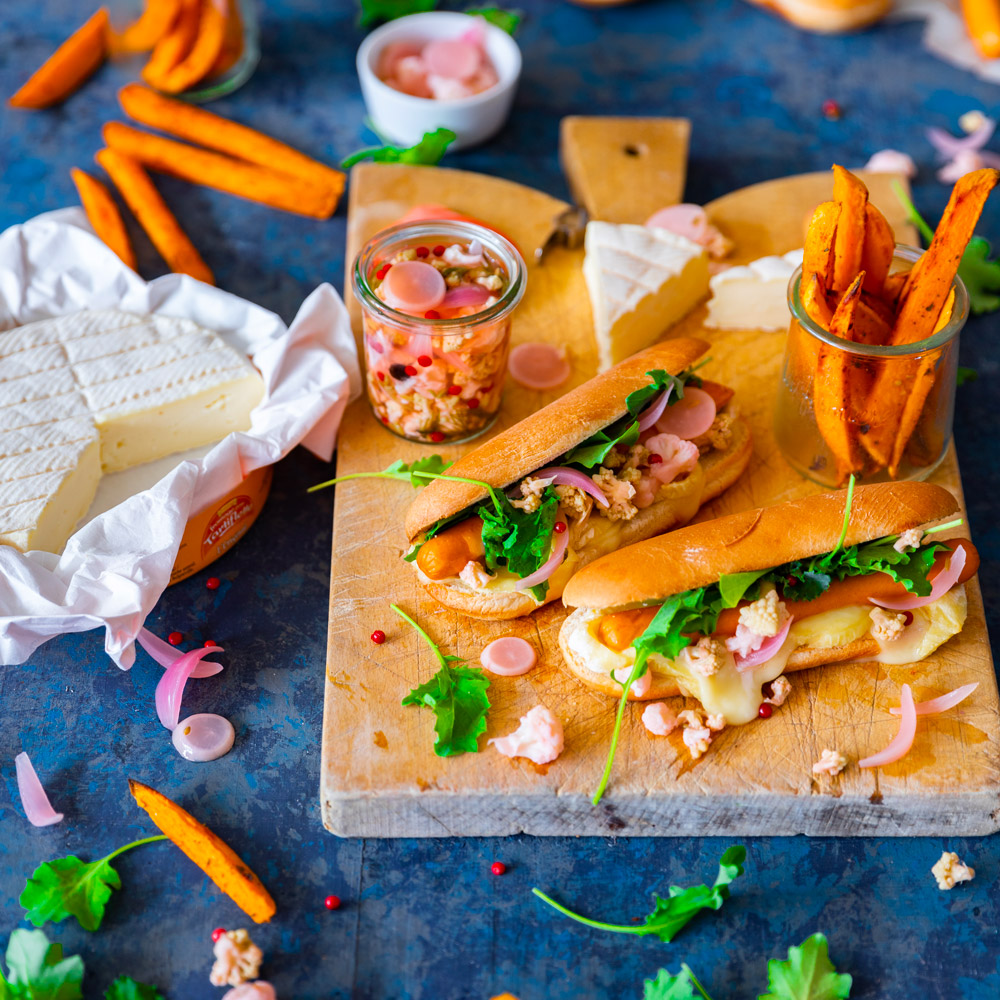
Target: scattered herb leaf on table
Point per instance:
(373, 11)
(125, 988)
(36, 969)
(508, 20)
(428, 151)
(668, 987)
(808, 974)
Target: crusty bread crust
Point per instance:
(548, 433)
(829, 15)
(719, 470)
(697, 555)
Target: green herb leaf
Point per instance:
(668, 987)
(694, 611)
(36, 969)
(432, 463)
(428, 151)
(963, 375)
(69, 887)
(981, 276)
(519, 540)
(125, 988)
(457, 696)
(733, 587)
(808, 974)
(508, 20)
(373, 11)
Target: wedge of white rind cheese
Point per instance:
(754, 296)
(641, 282)
(102, 391)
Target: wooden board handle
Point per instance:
(624, 169)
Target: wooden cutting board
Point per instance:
(380, 776)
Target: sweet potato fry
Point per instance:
(870, 323)
(852, 196)
(814, 300)
(153, 215)
(200, 166)
(141, 35)
(174, 46)
(232, 44)
(210, 130)
(982, 18)
(104, 215)
(832, 390)
(817, 258)
(208, 851)
(880, 244)
(924, 370)
(892, 290)
(205, 50)
(67, 68)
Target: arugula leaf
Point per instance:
(70, 887)
(428, 151)
(808, 974)
(963, 375)
(432, 463)
(373, 11)
(37, 970)
(508, 20)
(981, 276)
(431, 467)
(520, 540)
(670, 915)
(125, 988)
(457, 696)
(679, 987)
(734, 587)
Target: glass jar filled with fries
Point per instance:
(880, 411)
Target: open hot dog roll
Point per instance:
(631, 453)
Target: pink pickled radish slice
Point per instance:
(170, 690)
(940, 585)
(768, 649)
(539, 366)
(689, 417)
(203, 737)
(258, 990)
(508, 656)
(943, 702)
(552, 564)
(465, 296)
(452, 58)
(166, 655)
(903, 740)
(475, 34)
(390, 56)
(563, 475)
(413, 286)
(36, 803)
(654, 411)
(684, 220)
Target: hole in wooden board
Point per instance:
(636, 149)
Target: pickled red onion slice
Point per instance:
(562, 475)
(685, 220)
(768, 648)
(950, 146)
(36, 803)
(903, 740)
(942, 702)
(414, 286)
(654, 411)
(166, 655)
(539, 366)
(452, 58)
(170, 690)
(689, 417)
(464, 296)
(940, 585)
(552, 564)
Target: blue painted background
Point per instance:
(425, 919)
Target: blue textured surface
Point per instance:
(425, 919)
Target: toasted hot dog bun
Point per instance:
(829, 16)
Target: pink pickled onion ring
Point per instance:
(170, 690)
(538, 366)
(654, 411)
(768, 648)
(689, 417)
(36, 803)
(166, 655)
(544, 572)
(949, 145)
(943, 702)
(940, 585)
(508, 656)
(562, 475)
(465, 295)
(903, 740)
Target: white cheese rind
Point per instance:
(101, 391)
(641, 282)
(753, 296)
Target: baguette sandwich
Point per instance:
(719, 610)
(630, 454)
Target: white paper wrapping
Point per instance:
(945, 35)
(114, 568)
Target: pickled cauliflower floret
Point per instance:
(781, 688)
(619, 495)
(658, 719)
(237, 959)
(949, 871)
(909, 539)
(491, 282)
(719, 436)
(765, 616)
(574, 501)
(831, 762)
(475, 575)
(706, 657)
(886, 625)
(691, 718)
(697, 740)
(532, 489)
(716, 723)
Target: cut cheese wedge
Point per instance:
(100, 391)
(641, 282)
(753, 297)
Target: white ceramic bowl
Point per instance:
(404, 119)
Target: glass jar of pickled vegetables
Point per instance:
(436, 300)
(882, 412)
